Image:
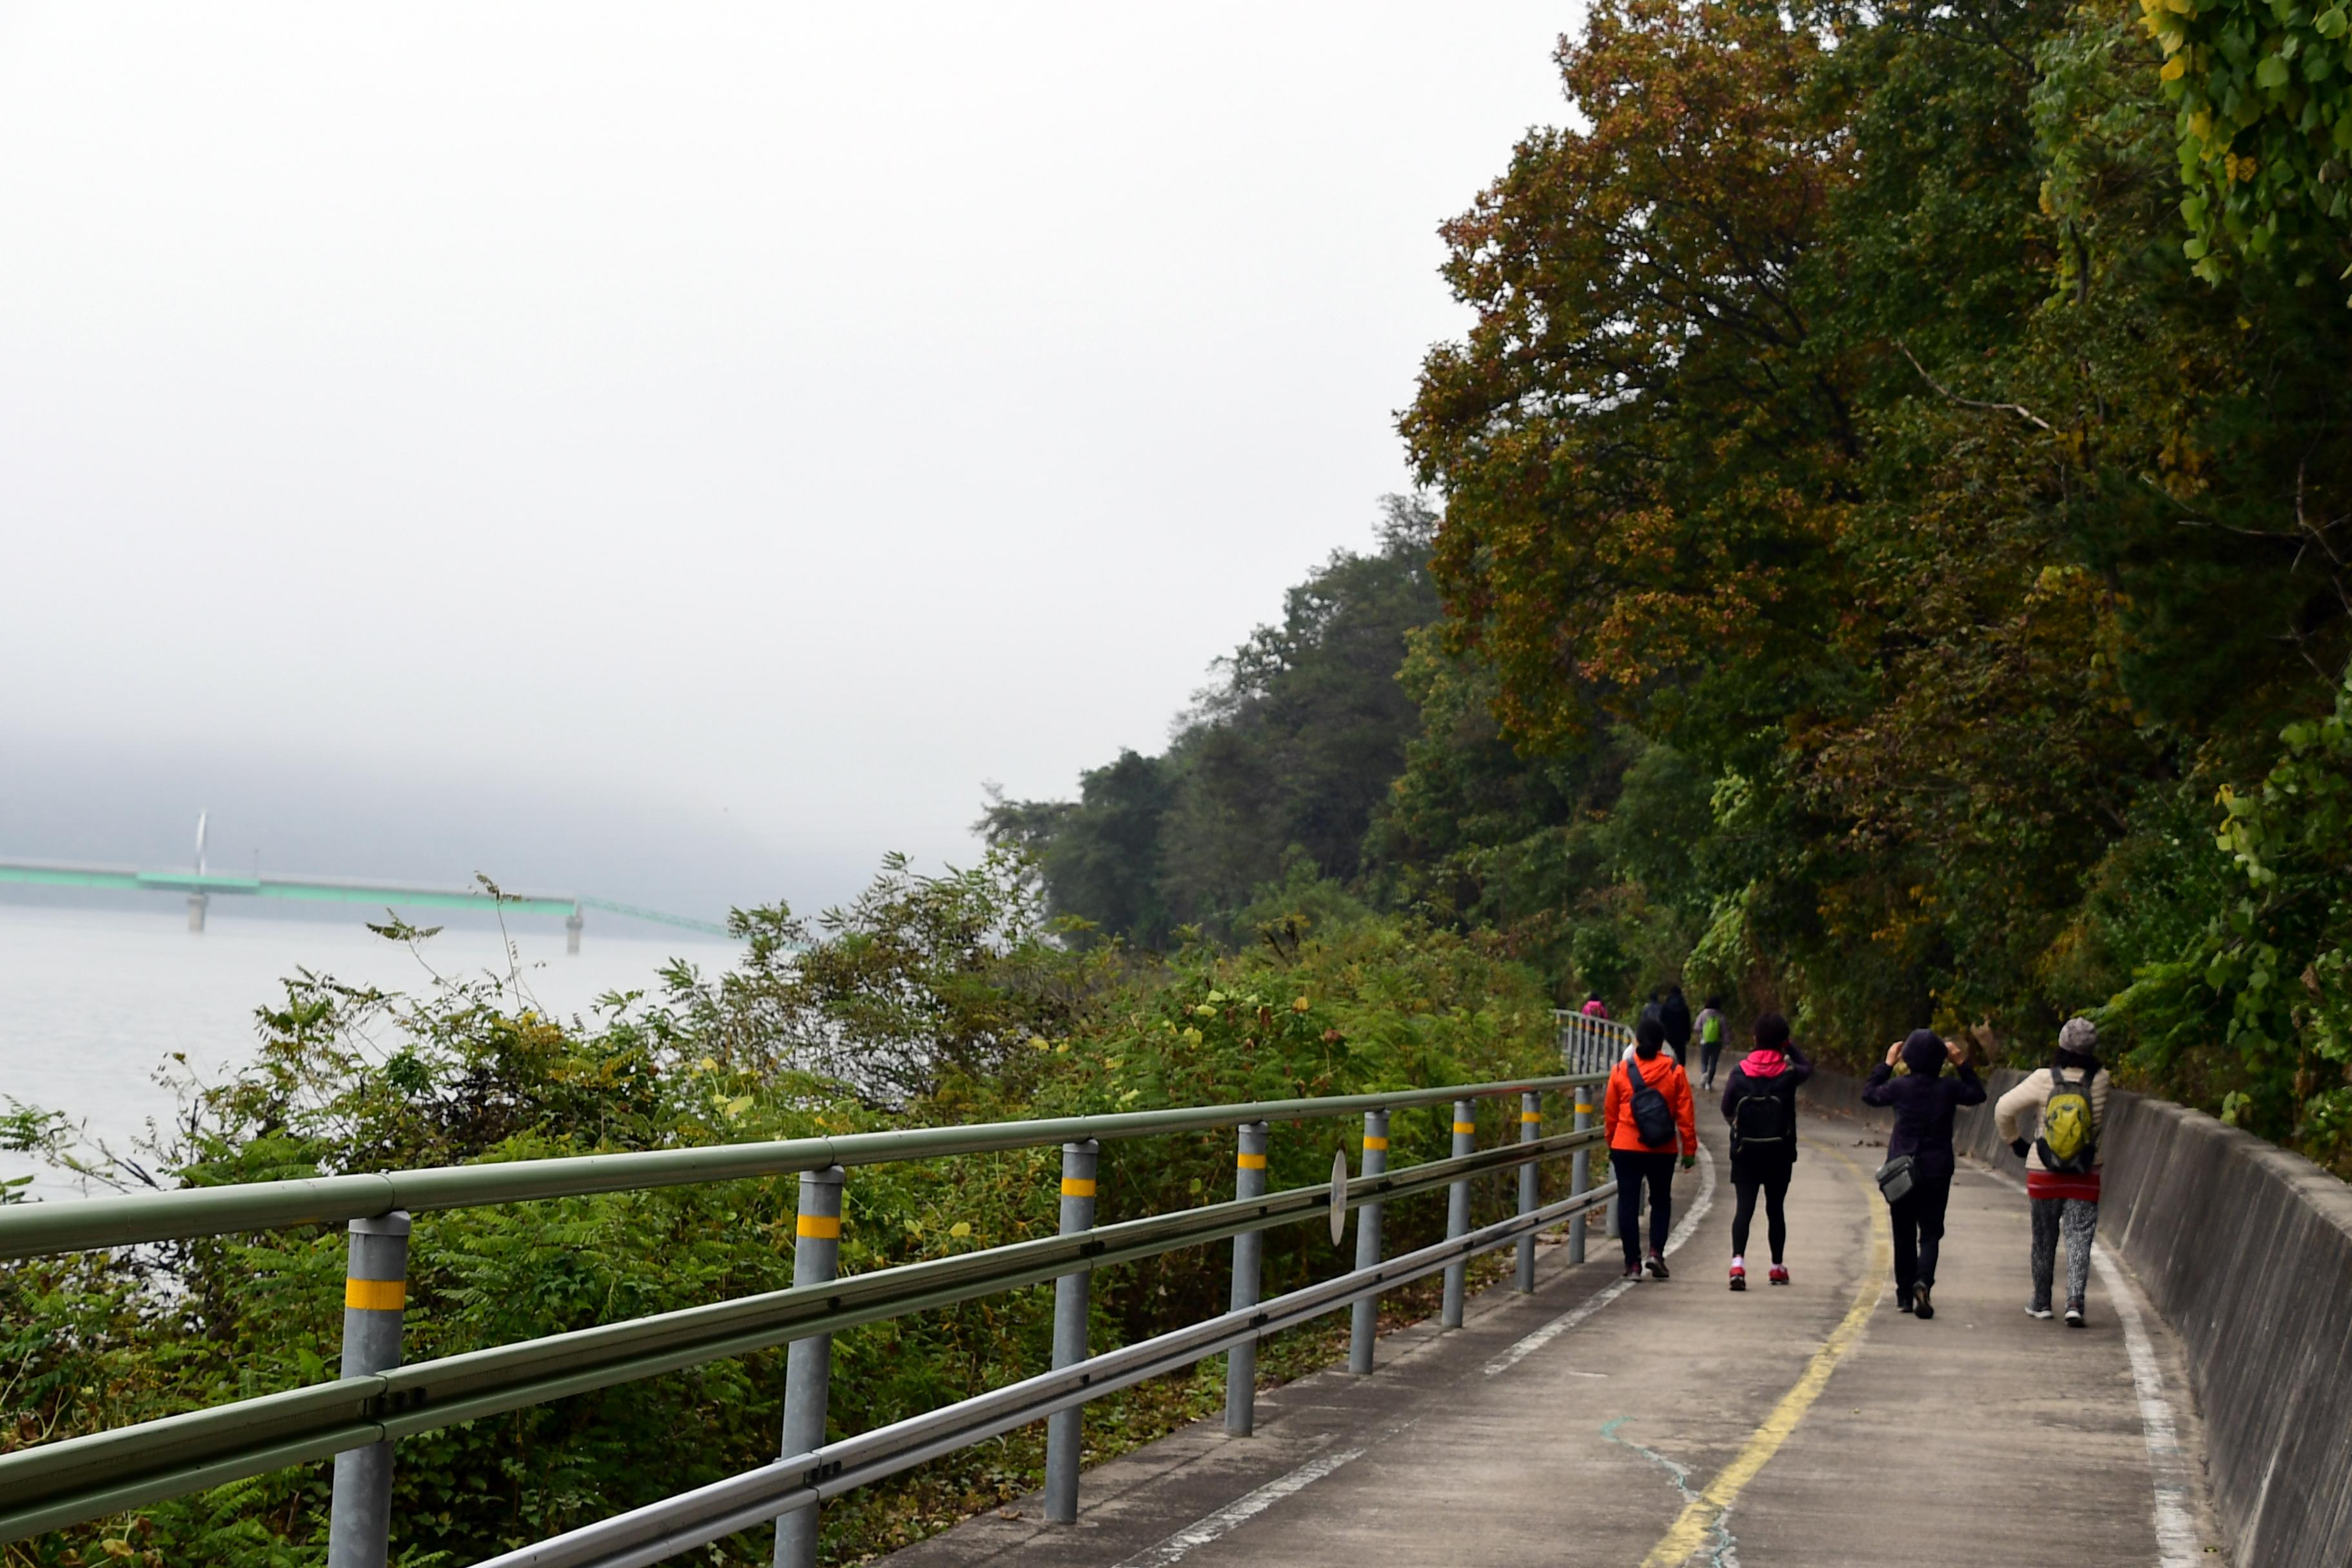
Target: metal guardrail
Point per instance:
(800, 1481)
(1589, 1045)
(30, 1229)
(358, 1417)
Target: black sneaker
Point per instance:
(1921, 1306)
(2074, 1319)
(1903, 1302)
(1657, 1266)
(2038, 1310)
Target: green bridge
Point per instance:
(200, 885)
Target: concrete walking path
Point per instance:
(1679, 1422)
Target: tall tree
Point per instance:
(1846, 418)
(1289, 750)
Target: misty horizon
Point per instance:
(685, 456)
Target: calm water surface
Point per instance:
(94, 1002)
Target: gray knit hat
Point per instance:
(2080, 1035)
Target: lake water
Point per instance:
(93, 1002)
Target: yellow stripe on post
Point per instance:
(1466, 1127)
(1250, 1163)
(1376, 1142)
(1078, 1187)
(819, 1226)
(1584, 1109)
(1532, 1116)
(375, 1294)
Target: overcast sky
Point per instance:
(704, 436)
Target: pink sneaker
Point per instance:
(1738, 1278)
(1779, 1276)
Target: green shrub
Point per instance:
(928, 1000)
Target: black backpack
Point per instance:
(1654, 1119)
(1760, 1120)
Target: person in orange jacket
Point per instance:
(1633, 1158)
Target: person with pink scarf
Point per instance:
(1759, 1102)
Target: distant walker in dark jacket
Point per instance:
(1912, 1081)
(1676, 1015)
(1759, 1102)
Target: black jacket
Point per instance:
(1784, 1087)
(1674, 1014)
(1924, 1109)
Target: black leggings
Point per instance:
(1631, 1167)
(1918, 1216)
(1772, 1181)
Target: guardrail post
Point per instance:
(1364, 1316)
(1457, 1215)
(1531, 1130)
(375, 1294)
(1249, 1256)
(1580, 1173)
(808, 1364)
(1066, 1429)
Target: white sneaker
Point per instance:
(2043, 1313)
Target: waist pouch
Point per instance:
(1897, 1178)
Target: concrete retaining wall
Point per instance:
(2247, 1251)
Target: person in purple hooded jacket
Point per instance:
(1924, 1099)
(1759, 1102)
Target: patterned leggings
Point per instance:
(2078, 1219)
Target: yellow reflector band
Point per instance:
(1466, 1127)
(1531, 1116)
(375, 1294)
(1251, 1162)
(820, 1226)
(1584, 1110)
(1078, 1187)
(1376, 1142)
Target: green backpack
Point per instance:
(2069, 1142)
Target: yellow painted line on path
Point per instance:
(1698, 1519)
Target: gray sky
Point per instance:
(758, 425)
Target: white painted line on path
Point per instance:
(1213, 1526)
(1240, 1511)
(1601, 1297)
(1249, 1505)
(2177, 1541)
(2176, 1544)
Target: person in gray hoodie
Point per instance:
(2064, 1202)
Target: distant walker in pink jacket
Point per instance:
(1759, 1102)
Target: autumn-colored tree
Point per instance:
(1868, 546)
(1844, 417)
(1641, 442)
